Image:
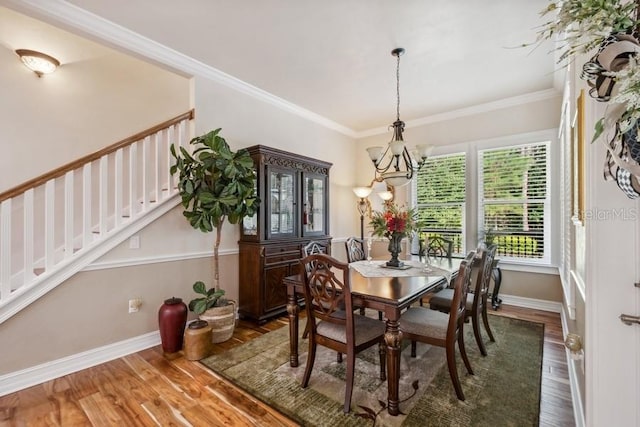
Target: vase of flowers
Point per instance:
(395, 223)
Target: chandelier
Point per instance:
(395, 164)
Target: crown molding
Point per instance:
(469, 111)
(98, 28)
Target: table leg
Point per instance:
(292, 309)
(393, 338)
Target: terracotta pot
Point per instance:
(197, 340)
(222, 321)
(172, 318)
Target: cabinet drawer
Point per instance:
(277, 250)
(276, 259)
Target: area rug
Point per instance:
(505, 389)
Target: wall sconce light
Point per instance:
(38, 62)
(363, 205)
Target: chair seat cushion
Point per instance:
(422, 321)
(366, 329)
(443, 300)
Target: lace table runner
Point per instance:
(417, 268)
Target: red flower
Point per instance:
(393, 220)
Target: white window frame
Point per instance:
(554, 194)
(463, 205)
(546, 257)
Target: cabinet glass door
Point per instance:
(313, 205)
(250, 223)
(281, 210)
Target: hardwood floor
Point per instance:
(146, 389)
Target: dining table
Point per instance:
(387, 290)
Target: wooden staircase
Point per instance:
(54, 225)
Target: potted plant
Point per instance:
(216, 185)
(394, 223)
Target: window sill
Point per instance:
(528, 268)
(511, 265)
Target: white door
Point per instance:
(612, 349)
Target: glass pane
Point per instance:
(250, 223)
(514, 200)
(281, 203)
(313, 208)
(515, 173)
(441, 197)
(517, 229)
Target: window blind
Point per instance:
(440, 197)
(513, 200)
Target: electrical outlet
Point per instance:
(134, 305)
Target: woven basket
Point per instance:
(222, 321)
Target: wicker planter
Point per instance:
(222, 321)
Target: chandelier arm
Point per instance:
(408, 163)
(383, 169)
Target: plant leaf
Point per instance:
(200, 288)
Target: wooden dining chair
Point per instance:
(438, 246)
(333, 324)
(355, 252)
(312, 248)
(476, 299)
(442, 330)
(355, 249)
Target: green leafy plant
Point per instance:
(582, 25)
(211, 298)
(216, 185)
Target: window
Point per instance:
(513, 200)
(440, 198)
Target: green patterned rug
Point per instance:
(505, 389)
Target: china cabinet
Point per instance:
(294, 191)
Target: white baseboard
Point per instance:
(576, 396)
(537, 304)
(34, 375)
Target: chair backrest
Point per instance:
(313, 248)
(438, 246)
(484, 274)
(355, 249)
(460, 290)
(327, 290)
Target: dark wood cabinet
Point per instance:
(294, 191)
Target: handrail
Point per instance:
(32, 183)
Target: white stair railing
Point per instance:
(54, 225)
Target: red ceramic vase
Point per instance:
(172, 318)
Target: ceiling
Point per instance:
(333, 57)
